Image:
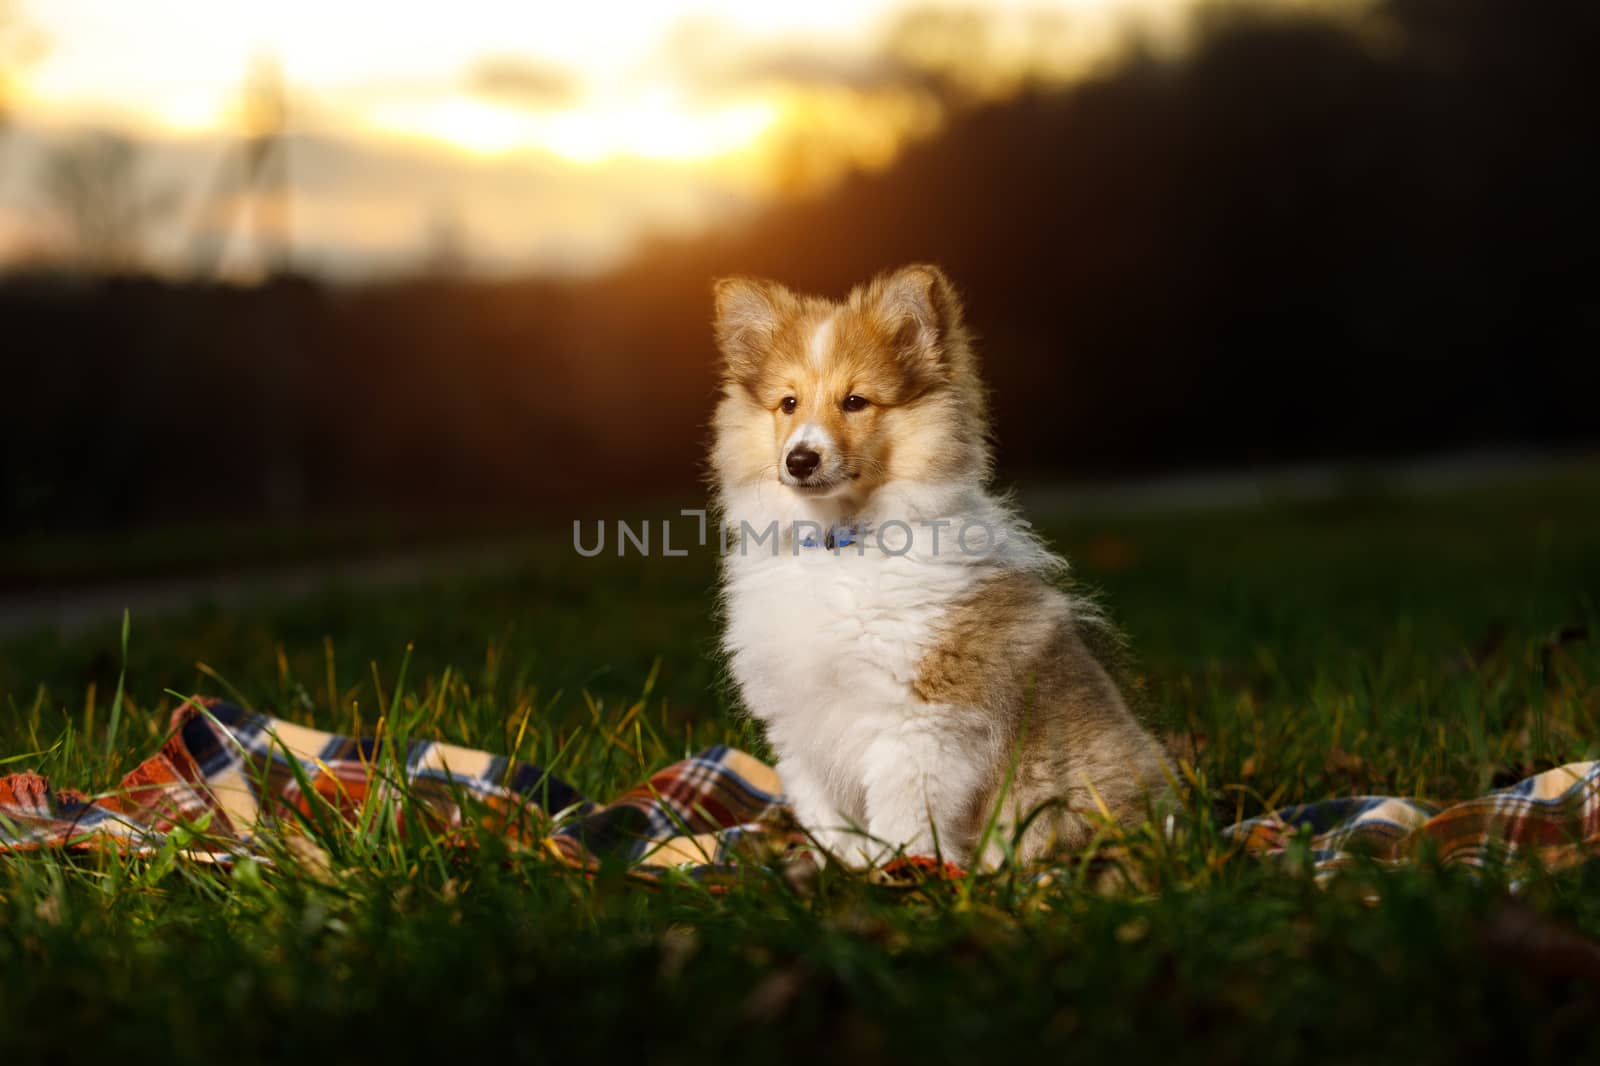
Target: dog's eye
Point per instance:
(853, 402)
(788, 405)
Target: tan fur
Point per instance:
(898, 341)
(1012, 652)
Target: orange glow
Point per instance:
(653, 126)
(656, 112)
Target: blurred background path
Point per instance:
(66, 604)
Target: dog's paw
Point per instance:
(916, 869)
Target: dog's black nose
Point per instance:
(802, 461)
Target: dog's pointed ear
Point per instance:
(748, 311)
(921, 312)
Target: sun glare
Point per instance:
(678, 104)
(656, 125)
(463, 122)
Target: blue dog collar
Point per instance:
(836, 538)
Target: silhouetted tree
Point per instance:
(96, 191)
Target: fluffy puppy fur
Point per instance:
(914, 683)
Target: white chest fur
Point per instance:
(825, 649)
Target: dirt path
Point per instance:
(73, 608)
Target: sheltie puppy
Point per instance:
(896, 629)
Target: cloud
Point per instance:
(714, 59)
(523, 82)
(806, 69)
(949, 52)
(365, 207)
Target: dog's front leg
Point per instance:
(819, 815)
(916, 782)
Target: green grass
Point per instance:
(1435, 646)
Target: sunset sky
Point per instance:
(510, 137)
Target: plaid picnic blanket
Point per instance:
(228, 782)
